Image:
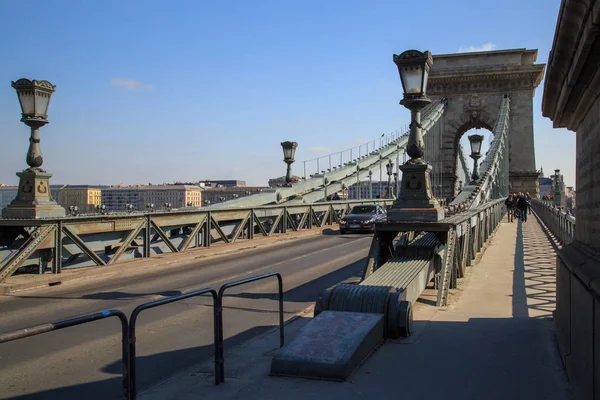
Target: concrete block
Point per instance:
(580, 360)
(331, 346)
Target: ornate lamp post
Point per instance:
(289, 150)
(416, 201)
(390, 170)
(34, 199)
(475, 142)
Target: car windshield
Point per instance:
(363, 210)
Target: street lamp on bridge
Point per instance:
(289, 150)
(34, 199)
(475, 141)
(416, 201)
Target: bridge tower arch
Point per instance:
(474, 85)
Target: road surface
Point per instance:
(83, 362)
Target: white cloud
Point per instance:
(320, 149)
(129, 84)
(484, 47)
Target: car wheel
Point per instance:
(342, 231)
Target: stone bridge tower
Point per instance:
(474, 84)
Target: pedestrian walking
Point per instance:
(528, 199)
(510, 207)
(522, 206)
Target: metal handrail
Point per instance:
(561, 224)
(53, 326)
(219, 308)
(168, 300)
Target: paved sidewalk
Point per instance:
(494, 341)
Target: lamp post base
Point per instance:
(415, 201)
(33, 198)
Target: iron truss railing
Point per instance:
(321, 185)
(493, 181)
(102, 240)
(561, 224)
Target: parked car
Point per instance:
(362, 218)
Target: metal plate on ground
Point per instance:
(331, 346)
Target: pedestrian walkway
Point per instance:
(494, 341)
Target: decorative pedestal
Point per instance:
(33, 199)
(521, 181)
(415, 201)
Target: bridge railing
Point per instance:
(53, 244)
(560, 223)
(331, 161)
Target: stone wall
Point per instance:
(571, 100)
(474, 84)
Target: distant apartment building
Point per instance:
(222, 183)
(115, 198)
(87, 198)
(379, 189)
(214, 195)
(178, 196)
(9, 193)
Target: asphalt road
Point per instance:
(84, 361)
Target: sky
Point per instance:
(157, 91)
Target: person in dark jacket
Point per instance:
(522, 206)
(510, 207)
(528, 198)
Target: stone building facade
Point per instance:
(86, 198)
(474, 85)
(115, 198)
(572, 100)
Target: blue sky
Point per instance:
(153, 91)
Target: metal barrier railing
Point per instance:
(219, 308)
(128, 330)
(561, 224)
(168, 300)
(53, 326)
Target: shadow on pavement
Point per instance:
(534, 278)
(150, 370)
(309, 291)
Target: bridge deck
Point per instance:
(494, 341)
